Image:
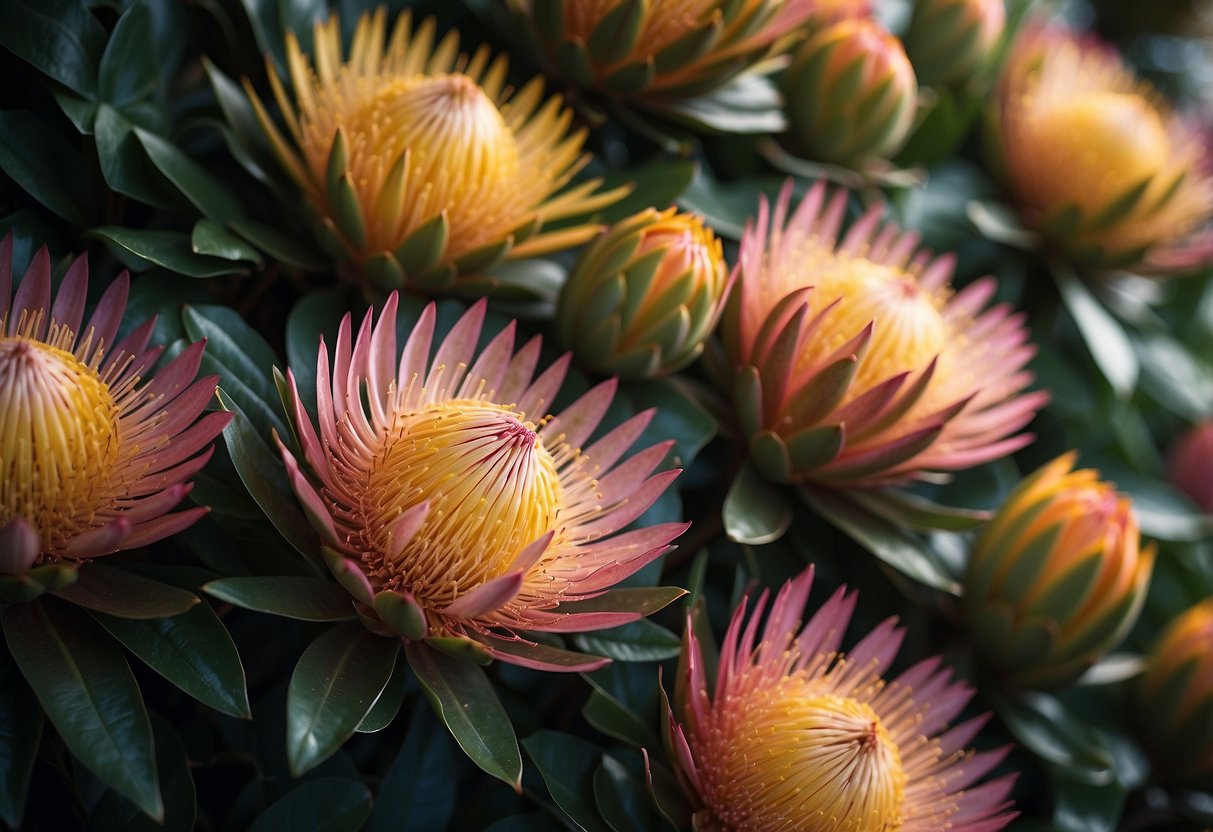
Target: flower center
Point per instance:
(787, 756)
(59, 439)
(492, 488)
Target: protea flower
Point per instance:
(1190, 463)
(855, 362)
(952, 41)
(1098, 162)
(794, 734)
(851, 94)
(93, 455)
(645, 295)
(420, 163)
(825, 12)
(1175, 719)
(1057, 577)
(660, 50)
(452, 504)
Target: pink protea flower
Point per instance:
(449, 499)
(92, 455)
(796, 735)
(855, 362)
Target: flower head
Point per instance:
(855, 362)
(1098, 162)
(1189, 464)
(793, 734)
(1057, 577)
(421, 164)
(645, 295)
(445, 488)
(93, 455)
(1176, 715)
(951, 41)
(667, 49)
(851, 93)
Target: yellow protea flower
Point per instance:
(1175, 719)
(1097, 160)
(421, 164)
(93, 455)
(1057, 577)
(793, 734)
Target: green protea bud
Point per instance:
(645, 295)
(851, 94)
(951, 41)
(1057, 577)
(1175, 719)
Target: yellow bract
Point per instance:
(59, 439)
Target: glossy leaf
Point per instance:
(59, 37)
(213, 240)
(115, 591)
(639, 641)
(567, 764)
(326, 804)
(140, 249)
(657, 184)
(44, 165)
(1082, 807)
(337, 680)
(292, 596)
(418, 791)
(468, 705)
(86, 688)
(1106, 339)
(128, 70)
(623, 798)
(387, 705)
(195, 183)
(20, 732)
(1043, 725)
(115, 813)
(755, 511)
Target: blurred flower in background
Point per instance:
(93, 456)
(856, 364)
(1190, 464)
(1175, 717)
(793, 733)
(1098, 162)
(645, 295)
(452, 504)
(420, 162)
(1057, 577)
(951, 41)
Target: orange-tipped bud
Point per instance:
(1057, 577)
(951, 41)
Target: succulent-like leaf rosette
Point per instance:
(1057, 577)
(660, 50)
(856, 364)
(93, 455)
(420, 163)
(1098, 162)
(1190, 463)
(793, 733)
(452, 505)
(645, 295)
(1175, 717)
(851, 94)
(950, 42)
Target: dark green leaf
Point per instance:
(468, 705)
(658, 184)
(213, 240)
(20, 731)
(118, 814)
(326, 804)
(755, 511)
(315, 314)
(86, 688)
(193, 651)
(384, 711)
(1106, 339)
(140, 249)
(623, 798)
(40, 161)
(59, 37)
(1043, 725)
(125, 165)
(128, 68)
(639, 641)
(418, 791)
(679, 417)
(292, 596)
(337, 680)
(1082, 807)
(115, 591)
(198, 185)
(568, 765)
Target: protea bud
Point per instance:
(660, 49)
(1191, 465)
(951, 41)
(1175, 719)
(851, 94)
(645, 295)
(421, 164)
(1097, 161)
(1056, 578)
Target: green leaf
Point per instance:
(114, 813)
(139, 249)
(469, 707)
(644, 600)
(20, 732)
(124, 163)
(1043, 725)
(748, 104)
(678, 417)
(610, 716)
(193, 651)
(755, 511)
(59, 37)
(43, 164)
(295, 252)
(1082, 807)
(198, 185)
(316, 313)
(997, 222)
(567, 765)
(337, 680)
(623, 798)
(115, 591)
(726, 207)
(384, 711)
(639, 641)
(86, 688)
(657, 184)
(326, 804)
(213, 240)
(128, 70)
(1105, 338)
(418, 791)
(291, 596)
